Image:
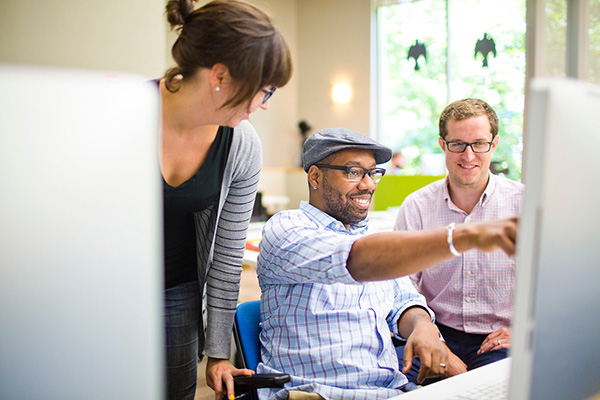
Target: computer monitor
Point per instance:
(80, 236)
(556, 322)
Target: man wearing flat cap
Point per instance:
(331, 300)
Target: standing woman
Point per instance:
(229, 60)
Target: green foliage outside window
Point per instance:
(410, 101)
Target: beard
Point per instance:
(341, 207)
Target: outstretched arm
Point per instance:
(390, 255)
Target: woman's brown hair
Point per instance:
(231, 32)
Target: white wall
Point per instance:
(333, 45)
(119, 35)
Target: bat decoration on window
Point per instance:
(485, 46)
(415, 51)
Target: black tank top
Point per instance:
(198, 193)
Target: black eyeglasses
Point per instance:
(357, 174)
(268, 94)
(477, 147)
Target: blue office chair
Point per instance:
(245, 333)
(246, 329)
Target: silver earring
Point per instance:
(218, 89)
(314, 187)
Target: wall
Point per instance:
(333, 45)
(330, 42)
(278, 126)
(114, 35)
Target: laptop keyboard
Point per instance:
(493, 391)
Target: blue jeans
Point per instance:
(464, 345)
(182, 316)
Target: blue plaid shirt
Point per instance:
(329, 332)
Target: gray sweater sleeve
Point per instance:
(223, 280)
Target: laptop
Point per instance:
(555, 352)
(80, 236)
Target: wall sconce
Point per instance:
(341, 93)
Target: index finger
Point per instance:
(508, 245)
(512, 230)
(425, 367)
(407, 358)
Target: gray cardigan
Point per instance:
(220, 253)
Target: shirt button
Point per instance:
(468, 299)
(469, 272)
(468, 219)
(468, 324)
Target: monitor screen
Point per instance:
(556, 322)
(80, 236)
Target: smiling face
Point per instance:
(468, 170)
(344, 200)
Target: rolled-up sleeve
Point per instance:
(405, 297)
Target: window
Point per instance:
(569, 51)
(593, 40)
(412, 90)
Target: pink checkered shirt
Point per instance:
(472, 293)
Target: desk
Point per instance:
(383, 221)
(274, 203)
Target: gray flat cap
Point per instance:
(328, 141)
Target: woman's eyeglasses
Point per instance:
(268, 94)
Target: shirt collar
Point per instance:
(489, 189)
(328, 221)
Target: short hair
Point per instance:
(464, 109)
(231, 32)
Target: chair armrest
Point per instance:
(256, 381)
(244, 384)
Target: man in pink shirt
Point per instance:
(472, 293)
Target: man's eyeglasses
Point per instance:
(357, 174)
(477, 147)
(268, 94)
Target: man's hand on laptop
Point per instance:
(425, 343)
(455, 366)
